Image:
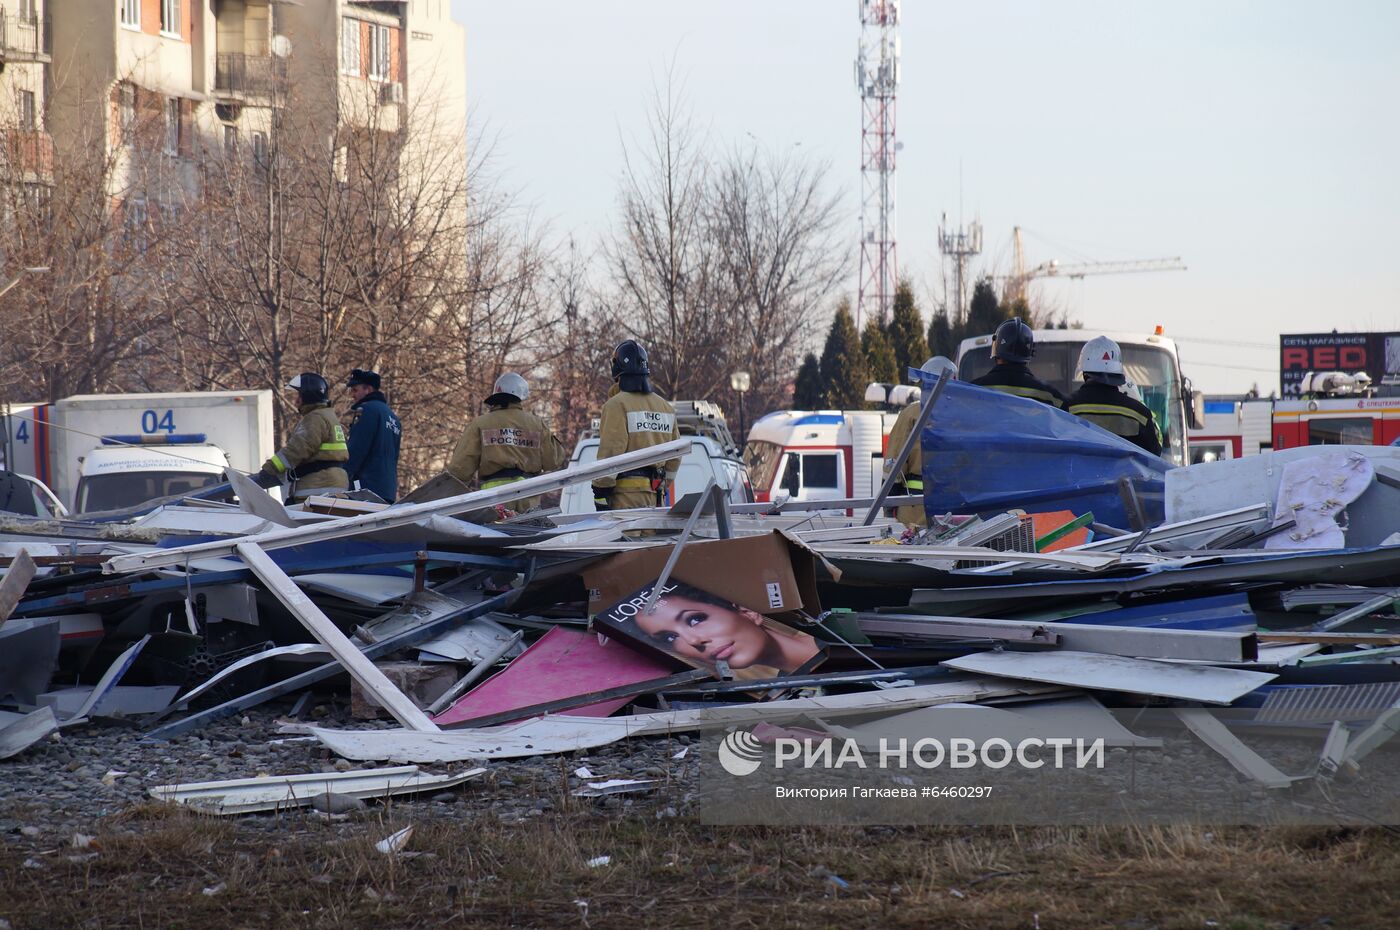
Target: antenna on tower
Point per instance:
(877, 78)
(960, 245)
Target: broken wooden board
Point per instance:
(1098, 672)
(15, 583)
(562, 663)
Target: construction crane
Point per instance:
(1016, 283)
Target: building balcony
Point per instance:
(27, 153)
(247, 76)
(25, 39)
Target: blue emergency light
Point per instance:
(172, 439)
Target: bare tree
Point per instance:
(662, 261)
(777, 231)
(93, 213)
(720, 264)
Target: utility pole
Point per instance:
(877, 79)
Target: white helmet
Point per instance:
(511, 384)
(941, 365)
(1102, 358)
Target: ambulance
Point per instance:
(805, 455)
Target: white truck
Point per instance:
(1150, 362)
(107, 451)
(714, 456)
(808, 455)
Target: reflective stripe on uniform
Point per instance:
(333, 447)
(497, 482)
(634, 484)
(914, 484)
(278, 462)
(1111, 410)
(1031, 393)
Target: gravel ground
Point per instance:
(70, 782)
(67, 784)
(515, 848)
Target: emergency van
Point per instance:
(805, 455)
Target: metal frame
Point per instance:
(1137, 642)
(321, 672)
(365, 672)
(399, 515)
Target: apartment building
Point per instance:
(183, 81)
(26, 149)
(379, 66)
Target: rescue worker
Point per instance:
(1013, 346)
(506, 444)
(375, 434)
(313, 457)
(1103, 402)
(634, 418)
(912, 474)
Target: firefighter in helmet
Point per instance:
(1013, 347)
(1103, 401)
(314, 455)
(634, 418)
(506, 444)
(911, 479)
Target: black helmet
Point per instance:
(1013, 342)
(629, 358)
(311, 386)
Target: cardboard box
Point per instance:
(770, 574)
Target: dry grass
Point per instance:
(152, 866)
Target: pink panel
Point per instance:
(562, 663)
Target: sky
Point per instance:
(1258, 141)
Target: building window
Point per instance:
(172, 126)
(131, 13)
(170, 17)
(27, 118)
(136, 217)
(230, 140)
(350, 46)
(260, 149)
(126, 110)
(26, 11)
(379, 52)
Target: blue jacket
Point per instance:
(374, 447)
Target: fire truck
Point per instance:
(1337, 409)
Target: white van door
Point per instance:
(814, 476)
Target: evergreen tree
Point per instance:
(807, 393)
(942, 339)
(984, 312)
(843, 362)
(906, 331)
(880, 364)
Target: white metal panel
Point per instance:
(1098, 672)
(281, 792)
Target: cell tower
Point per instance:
(877, 79)
(960, 246)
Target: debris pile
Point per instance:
(485, 639)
